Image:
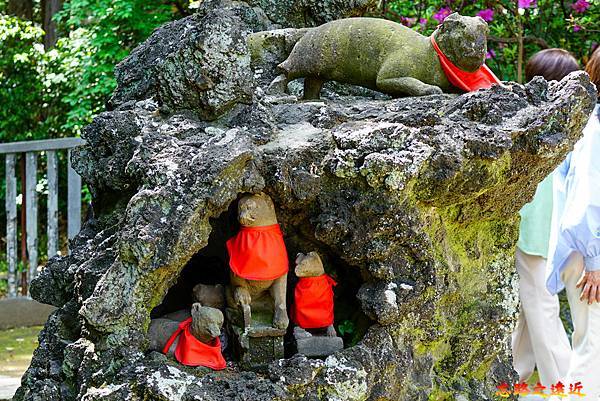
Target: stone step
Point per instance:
(23, 312)
(8, 387)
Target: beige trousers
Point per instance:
(585, 359)
(539, 339)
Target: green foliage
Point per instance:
(16, 348)
(50, 93)
(102, 33)
(352, 331)
(55, 92)
(22, 94)
(346, 327)
(571, 24)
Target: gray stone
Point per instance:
(317, 345)
(301, 13)
(258, 344)
(23, 312)
(200, 62)
(270, 48)
(350, 51)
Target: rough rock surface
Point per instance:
(199, 63)
(414, 199)
(301, 13)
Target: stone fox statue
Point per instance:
(313, 295)
(258, 260)
(383, 55)
(193, 341)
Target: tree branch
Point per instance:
(527, 39)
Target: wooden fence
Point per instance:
(29, 254)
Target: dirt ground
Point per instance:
(16, 348)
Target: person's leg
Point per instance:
(585, 361)
(541, 311)
(522, 351)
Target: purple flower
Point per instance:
(527, 3)
(490, 54)
(576, 28)
(580, 6)
(487, 14)
(441, 15)
(408, 21)
(423, 21)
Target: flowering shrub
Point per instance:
(570, 24)
(580, 6)
(527, 3)
(442, 14)
(487, 14)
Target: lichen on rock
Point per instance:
(412, 203)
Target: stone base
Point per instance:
(258, 344)
(316, 345)
(23, 312)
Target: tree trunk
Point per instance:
(49, 9)
(20, 8)
(520, 47)
(520, 55)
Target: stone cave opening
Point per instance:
(210, 266)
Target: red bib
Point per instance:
(313, 302)
(192, 352)
(467, 81)
(258, 253)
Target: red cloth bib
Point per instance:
(313, 302)
(192, 352)
(258, 253)
(467, 81)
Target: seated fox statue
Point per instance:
(313, 295)
(193, 341)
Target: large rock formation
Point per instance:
(412, 204)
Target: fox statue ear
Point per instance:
(267, 199)
(452, 17)
(315, 255)
(451, 22)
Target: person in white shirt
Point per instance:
(539, 340)
(574, 251)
